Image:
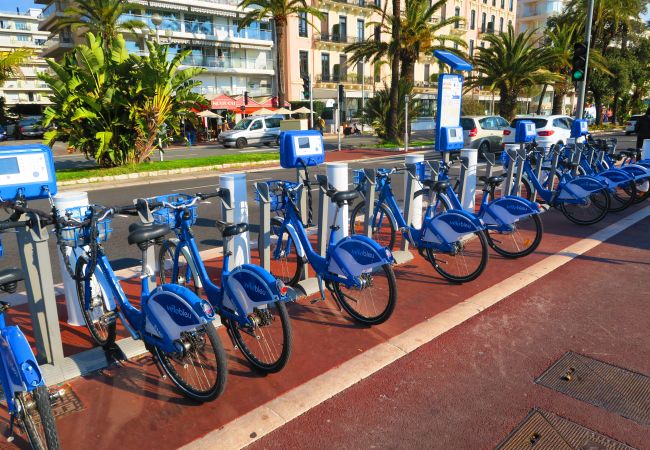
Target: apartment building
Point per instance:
(534, 13)
(25, 93)
(235, 60)
(319, 51)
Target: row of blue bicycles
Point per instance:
(176, 318)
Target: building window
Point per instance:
(361, 27)
(457, 14)
(472, 20)
(325, 66)
(30, 96)
(483, 22)
(443, 12)
(503, 4)
(23, 38)
(427, 72)
(471, 48)
(377, 33)
(512, 2)
(302, 24)
(500, 24)
(343, 28)
(494, 2)
(304, 63)
(492, 23)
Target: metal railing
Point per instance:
(335, 38)
(228, 63)
(352, 78)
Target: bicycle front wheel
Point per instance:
(288, 266)
(521, 240)
(466, 261)
(38, 419)
(167, 260)
(374, 301)
(198, 367)
(267, 343)
(383, 228)
(591, 210)
(100, 321)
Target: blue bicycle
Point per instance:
(174, 323)
(250, 301)
(28, 399)
(452, 240)
(356, 270)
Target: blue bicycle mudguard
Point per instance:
(508, 210)
(251, 286)
(614, 177)
(172, 309)
(450, 226)
(359, 254)
(581, 187)
(20, 364)
(638, 171)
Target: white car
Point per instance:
(483, 132)
(252, 130)
(550, 130)
(631, 123)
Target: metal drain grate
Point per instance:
(617, 390)
(67, 402)
(542, 430)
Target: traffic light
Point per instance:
(579, 62)
(306, 84)
(245, 97)
(341, 93)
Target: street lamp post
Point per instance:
(582, 89)
(406, 123)
(363, 90)
(157, 21)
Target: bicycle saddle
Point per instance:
(230, 229)
(436, 186)
(341, 197)
(492, 181)
(9, 278)
(139, 233)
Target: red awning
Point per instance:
(223, 102)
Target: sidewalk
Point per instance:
(130, 406)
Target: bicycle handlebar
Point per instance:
(5, 225)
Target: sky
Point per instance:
(10, 5)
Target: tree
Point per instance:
(279, 10)
(110, 105)
(100, 17)
(560, 40)
(510, 63)
(378, 105)
(10, 63)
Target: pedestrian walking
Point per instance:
(642, 128)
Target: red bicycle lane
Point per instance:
(471, 386)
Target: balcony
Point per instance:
(459, 28)
(56, 45)
(347, 78)
(336, 39)
(368, 5)
(213, 63)
(252, 92)
(487, 30)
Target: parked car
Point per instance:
(483, 132)
(631, 123)
(3, 134)
(30, 127)
(550, 129)
(252, 130)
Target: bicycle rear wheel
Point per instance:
(622, 197)
(100, 321)
(373, 302)
(267, 344)
(523, 238)
(36, 415)
(466, 262)
(289, 265)
(198, 368)
(166, 262)
(592, 210)
(383, 229)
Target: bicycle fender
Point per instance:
(250, 287)
(508, 210)
(294, 238)
(614, 177)
(581, 187)
(21, 366)
(358, 254)
(172, 309)
(638, 171)
(450, 226)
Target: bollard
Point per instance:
(369, 194)
(468, 182)
(411, 186)
(234, 208)
(507, 186)
(323, 209)
(337, 176)
(264, 235)
(521, 158)
(301, 175)
(416, 209)
(646, 149)
(151, 262)
(63, 201)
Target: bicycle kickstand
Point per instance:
(12, 421)
(320, 289)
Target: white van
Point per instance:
(252, 130)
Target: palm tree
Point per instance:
(10, 63)
(100, 17)
(509, 63)
(560, 40)
(418, 35)
(279, 10)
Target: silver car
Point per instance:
(252, 130)
(483, 132)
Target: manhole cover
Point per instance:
(67, 402)
(542, 430)
(617, 390)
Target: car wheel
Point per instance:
(627, 133)
(240, 143)
(484, 148)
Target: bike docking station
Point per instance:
(525, 133)
(27, 173)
